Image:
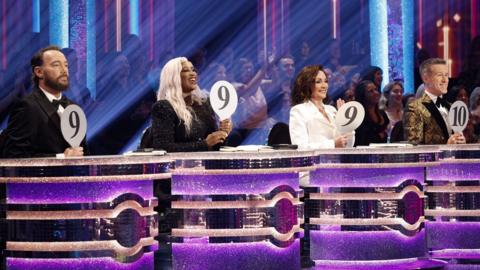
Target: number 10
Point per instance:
(459, 116)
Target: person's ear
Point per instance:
(38, 72)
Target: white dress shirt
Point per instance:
(51, 98)
(443, 111)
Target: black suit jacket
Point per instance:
(34, 129)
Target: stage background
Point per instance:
(118, 46)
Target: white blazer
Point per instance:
(309, 129)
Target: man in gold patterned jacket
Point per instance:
(426, 119)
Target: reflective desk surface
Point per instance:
(266, 210)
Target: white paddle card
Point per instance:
(73, 124)
(349, 117)
(224, 99)
(458, 116)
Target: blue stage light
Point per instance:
(408, 45)
(379, 37)
(36, 16)
(91, 49)
(59, 23)
(134, 14)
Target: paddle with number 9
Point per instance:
(349, 117)
(224, 99)
(73, 124)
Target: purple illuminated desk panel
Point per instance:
(238, 210)
(453, 208)
(82, 213)
(364, 209)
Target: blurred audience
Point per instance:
(349, 95)
(459, 93)
(215, 72)
(279, 92)
(131, 103)
(373, 74)
(303, 55)
(475, 109)
(375, 124)
(470, 75)
(20, 87)
(77, 90)
(251, 112)
(392, 104)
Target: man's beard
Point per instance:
(55, 84)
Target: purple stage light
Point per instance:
(258, 255)
(403, 264)
(77, 192)
(146, 262)
(454, 172)
(286, 216)
(365, 245)
(231, 183)
(412, 209)
(457, 254)
(453, 235)
(365, 177)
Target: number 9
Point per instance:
(74, 121)
(350, 114)
(223, 98)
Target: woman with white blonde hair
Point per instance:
(183, 120)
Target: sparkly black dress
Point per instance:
(168, 131)
(370, 132)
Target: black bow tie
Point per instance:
(441, 101)
(63, 101)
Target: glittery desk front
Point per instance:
(238, 210)
(453, 208)
(80, 213)
(364, 209)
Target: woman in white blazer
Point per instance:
(312, 123)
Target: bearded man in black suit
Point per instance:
(34, 125)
